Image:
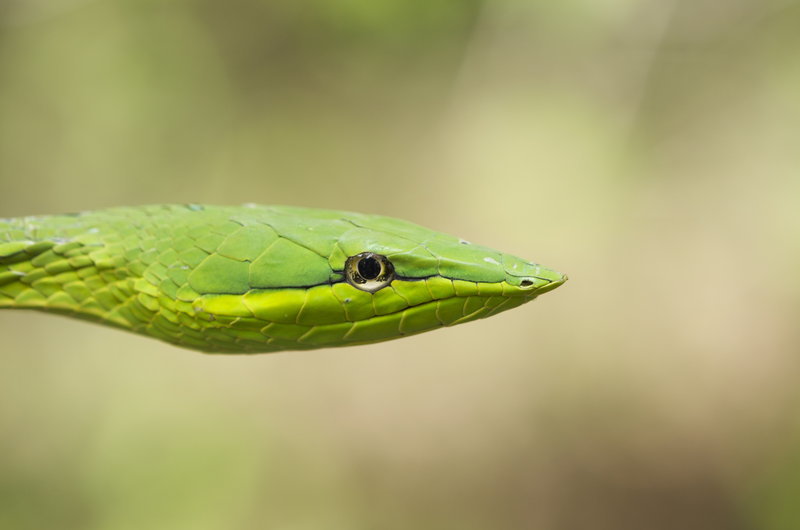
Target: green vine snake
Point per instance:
(253, 279)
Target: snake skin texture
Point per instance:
(252, 279)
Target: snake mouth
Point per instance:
(444, 312)
(464, 307)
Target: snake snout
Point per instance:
(546, 280)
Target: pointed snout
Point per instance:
(542, 281)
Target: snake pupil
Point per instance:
(369, 268)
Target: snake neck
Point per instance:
(66, 274)
(109, 273)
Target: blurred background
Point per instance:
(648, 148)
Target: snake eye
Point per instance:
(368, 271)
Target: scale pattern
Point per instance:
(253, 278)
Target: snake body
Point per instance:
(252, 279)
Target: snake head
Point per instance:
(292, 278)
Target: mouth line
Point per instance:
(533, 293)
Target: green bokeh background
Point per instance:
(648, 148)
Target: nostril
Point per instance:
(525, 283)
